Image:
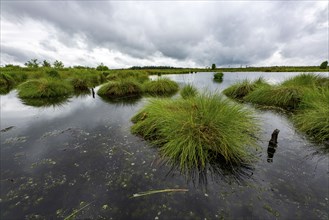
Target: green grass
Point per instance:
(161, 86)
(307, 80)
(240, 89)
(218, 77)
(140, 76)
(313, 116)
(6, 83)
(192, 132)
(285, 97)
(188, 91)
(79, 84)
(120, 88)
(44, 88)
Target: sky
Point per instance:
(121, 34)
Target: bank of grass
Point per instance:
(240, 89)
(218, 77)
(140, 76)
(120, 88)
(307, 80)
(188, 91)
(313, 116)
(6, 83)
(44, 88)
(161, 86)
(79, 84)
(192, 132)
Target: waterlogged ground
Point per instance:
(79, 160)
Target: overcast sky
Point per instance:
(187, 33)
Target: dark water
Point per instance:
(80, 156)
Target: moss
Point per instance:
(161, 86)
(121, 88)
(191, 132)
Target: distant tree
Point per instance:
(324, 65)
(58, 64)
(102, 67)
(213, 66)
(33, 63)
(46, 64)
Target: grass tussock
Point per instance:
(241, 89)
(6, 83)
(161, 86)
(218, 77)
(44, 88)
(188, 91)
(284, 97)
(307, 80)
(79, 84)
(121, 88)
(192, 132)
(139, 76)
(313, 116)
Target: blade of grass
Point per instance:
(151, 192)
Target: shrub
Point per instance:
(161, 86)
(188, 91)
(324, 65)
(102, 67)
(121, 88)
(44, 88)
(313, 116)
(241, 89)
(286, 97)
(192, 132)
(218, 77)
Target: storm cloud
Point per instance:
(124, 34)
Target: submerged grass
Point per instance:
(44, 88)
(161, 86)
(188, 91)
(192, 132)
(313, 116)
(241, 89)
(120, 88)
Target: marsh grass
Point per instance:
(286, 97)
(307, 80)
(140, 76)
(44, 88)
(160, 87)
(6, 83)
(79, 84)
(218, 77)
(313, 116)
(120, 88)
(192, 132)
(241, 89)
(188, 91)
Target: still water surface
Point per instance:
(80, 154)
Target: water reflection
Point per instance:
(122, 101)
(45, 102)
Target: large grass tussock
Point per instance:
(121, 88)
(161, 86)
(188, 91)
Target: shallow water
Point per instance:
(59, 159)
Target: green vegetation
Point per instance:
(307, 80)
(218, 77)
(140, 76)
(79, 84)
(102, 67)
(161, 86)
(6, 83)
(313, 116)
(324, 65)
(120, 88)
(44, 88)
(194, 132)
(188, 91)
(240, 89)
(213, 66)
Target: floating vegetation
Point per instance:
(188, 91)
(241, 89)
(151, 192)
(191, 132)
(218, 77)
(44, 88)
(161, 86)
(121, 88)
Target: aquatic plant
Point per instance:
(188, 91)
(6, 83)
(286, 97)
(218, 77)
(313, 116)
(120, 88)
(192, 132)
(241, 89)
(44, 88)
(161, 86)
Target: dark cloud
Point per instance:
(225, 33)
